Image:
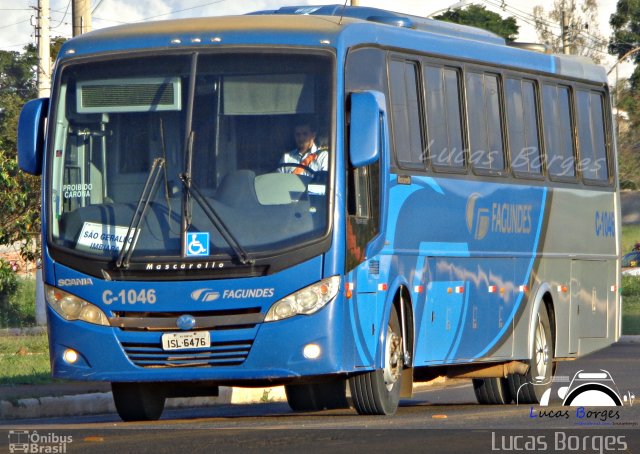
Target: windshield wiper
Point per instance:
(192, 190)
(133, 232)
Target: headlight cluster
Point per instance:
(306, 301)
(70, 307)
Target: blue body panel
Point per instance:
(466, 280)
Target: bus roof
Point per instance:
(332, 25)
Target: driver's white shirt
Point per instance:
(294, 157)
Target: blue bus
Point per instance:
(464, 223)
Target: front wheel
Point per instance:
(378, 392)
(138, 401)
(530, 388)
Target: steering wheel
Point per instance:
(307, 169)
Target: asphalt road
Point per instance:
(438, 419)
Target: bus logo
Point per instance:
(204, 295)
(477, 217)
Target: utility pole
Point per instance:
(566, 46)
(81, 11)
(44, 50)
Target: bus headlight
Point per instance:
(70, 307)
(306, 301)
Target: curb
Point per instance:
(101, 403)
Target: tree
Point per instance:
(625, 24)
(479, 16)
(20, 195)
(582, 34)
(19, 199)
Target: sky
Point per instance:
(18, 16)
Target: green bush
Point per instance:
(8, 280)
(17, 299)
(630, 286)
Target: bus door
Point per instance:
(588, 301)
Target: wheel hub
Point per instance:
(393, 359)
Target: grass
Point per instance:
(630, 305)
(631, 315)
(24, 360)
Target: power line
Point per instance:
(96, 7)
(63, 17)
(181, 10)
(158, 15)
(16, 45)
(527, 18)
(16, 23)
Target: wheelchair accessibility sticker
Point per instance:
(197, 244)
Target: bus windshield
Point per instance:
(218, 127)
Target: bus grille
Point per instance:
(218, 354)
(166, 321)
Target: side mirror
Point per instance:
(31, 135)
(364, 134)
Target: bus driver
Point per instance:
(307, 154)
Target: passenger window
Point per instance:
(522, 120)
(485, 125)
(558, 138)
(444, 119)
(405, 113)
(591, 136)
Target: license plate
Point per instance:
(183, 341)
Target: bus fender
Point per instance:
(394, 289)
(543, 289)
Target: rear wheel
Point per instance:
(530, 387)
(378, 392)
(138, 401)
(492, 391)
(317, 396)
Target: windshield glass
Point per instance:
(245, 136)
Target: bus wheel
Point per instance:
(317, 396)
(138, 401)
(378, 392)
(530, 387)
(492, 391)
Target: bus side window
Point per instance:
(522, 120)
(591, 137)
(363, 210)
(558, 137)
(405, 114)
(485, 123)
(444, 117)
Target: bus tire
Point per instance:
(317, 396)
(529, 388)
(138, 401)
(378, 392)
(492, 391)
